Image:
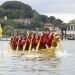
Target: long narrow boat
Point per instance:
(50, 51)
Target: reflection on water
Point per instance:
(34, 65)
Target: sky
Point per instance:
(63, 9)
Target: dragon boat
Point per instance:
(48, 48)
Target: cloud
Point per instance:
(65, 17)
(63, 9)
(50, 6)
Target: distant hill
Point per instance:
(15, 9)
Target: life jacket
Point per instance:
(22, 42)
(14, 42)
(28, 41)
(47, 41)
(36, 41)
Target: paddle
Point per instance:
(17, 45)
(30, 46)
(58, 42)
(37, 47)
(25, 43)
(9, 48)
(60, 46)
(24, 46)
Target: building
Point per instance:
(23, 21)
(51, 27)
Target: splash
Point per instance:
(59, 53)
(33, 55)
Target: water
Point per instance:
(62, 64)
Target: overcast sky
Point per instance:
(64, 9)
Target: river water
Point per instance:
(61, 64)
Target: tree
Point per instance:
(57, 22)
(63, 26)
(36, 24)
(8, 30)
(15, 5)
(36, 17)
(16, 9)
(51, 19)
(43, 18)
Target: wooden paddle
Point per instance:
(60, 47)
(37, 47)
(17, 48)
(30, 46)
(24, 46)
(59, 44)
(9, 48)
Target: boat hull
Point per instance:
(49, 51)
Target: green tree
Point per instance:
(44, 18)
(36, 24)
(16, 9)
(57, 22)
(8, 30)
(51, 19)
